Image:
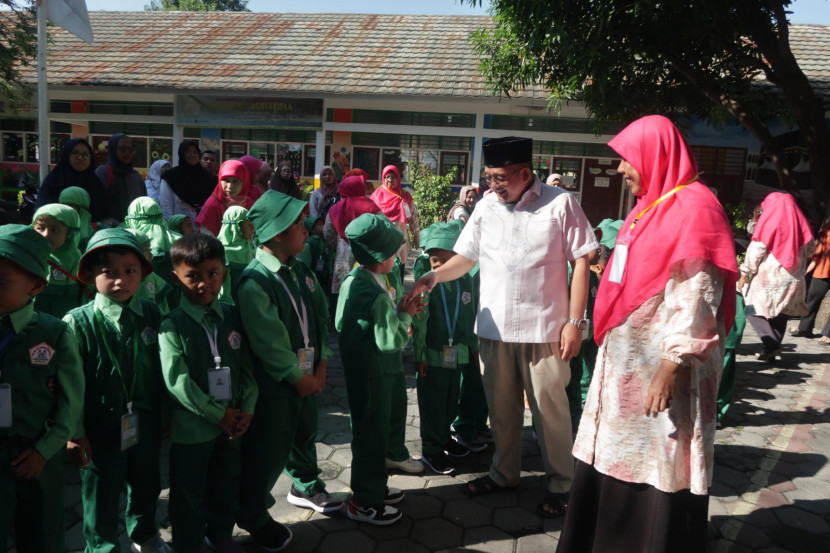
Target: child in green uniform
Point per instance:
(78, 199)
(236, 234)
(317, 254)
(118, 439)
(35, 423)
(373, 333)
(144, 214)
(180, 224)
(443, 342)
(284, 313)
(58, 223)
(207, 368)
(153, 287)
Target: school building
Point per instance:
(344, 90)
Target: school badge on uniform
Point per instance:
(593, 291)
(41, 354)
(57, 274)
(310, 283)
(149, 336)
(466, 298)
(235, 340)
(151, 287)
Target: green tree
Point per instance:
(433, 195)
(18, 48)
(197, 5)
(721, 60)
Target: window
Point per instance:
(457, 160)
(20, 147)
(367, 159)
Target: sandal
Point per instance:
(824, 340)
(481, 486)
(555, 505)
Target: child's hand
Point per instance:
(307, 385)
(320, 373)
(28, 465)
(228, 422)
(243, 421)
(421, 367)
(80, 452)
(411, 305)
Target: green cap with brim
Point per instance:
(441, 236)
(108, 238)
(373, 238)
(309, 222)
(274, 212)
(27, 249)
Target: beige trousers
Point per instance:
(507, 369)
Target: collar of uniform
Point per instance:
(531, 193)
(272, 263)
(112, 310)
(20, 318)
(197, 312)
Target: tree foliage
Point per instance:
(720, 60)
(198, 5)
(18, 48)
(433, 195)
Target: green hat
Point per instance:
(274, 212)
(141, 237)
(609, 228)
(27, 249)
(309, 222)
(108, 238)
(441, 236)
(373, 238)
(75, 195)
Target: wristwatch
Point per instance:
(581, 324)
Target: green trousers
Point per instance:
(582, 370)
(281, 436)
(438, 404)
(395, 447)
(33, 507)
(137, 469)
(472, 403)
(726, 388)
(203, 482)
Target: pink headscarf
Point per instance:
(353, 205)
(391, 200)
(253, 165)
(782, 228)
(689, 224)
(211, 214)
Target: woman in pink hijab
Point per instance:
(259, 172)
(399, 207)
(234, 188)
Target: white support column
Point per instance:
(478, 140)
(320, 145)
(43, 154)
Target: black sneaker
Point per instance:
(439, 464)
(273, 536)
(455, 449)
(322, 502)
(475, 445)
(379, 516)
(393, 496)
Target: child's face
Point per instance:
(17, 287)
(201, 283)
(120, 276)
(293, 238)
(599, 267)
(438, 257)
(317, 228)
(148, 253)
(186, 227)
(247, 229)
(53, 230)
(384, 267)
(232, 186)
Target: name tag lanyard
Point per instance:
(302, 318)
(114, 360)
(217, 359)
(451, 326)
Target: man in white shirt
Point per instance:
(529, 323)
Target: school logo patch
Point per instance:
(58, 275)
(593, 291)
(466, 298)
(310, 283)
(151, 287)
(41, 354)
(149, 336)
(235, 340)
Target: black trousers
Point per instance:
(770, 331)
(815, 295)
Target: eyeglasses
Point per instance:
(80, 155)
(498, 179)
(126, 149)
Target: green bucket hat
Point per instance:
(309, 222)
(27, 249)
(108, 238)
(441, 236)
(373, 238)
(274, 212)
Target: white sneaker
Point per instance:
(412, 466)
(383, 516)
(153, 545)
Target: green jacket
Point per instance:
(318, 257)
(156, 289)
(372, 333)
(186, 358)
(39, 348)
(270, 321)
(430, 332)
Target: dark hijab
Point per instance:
(286, 186)
(193, 184)
(127, 183)
(63, 176)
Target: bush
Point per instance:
(433, 195)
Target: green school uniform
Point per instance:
(204, 462)
(144, 214)
(438, 391)
(726, 389)
(238, 251)
(284, 429)
(131, 332)
(372, 338)
(582, 366)
(36, 347)
(320, 259)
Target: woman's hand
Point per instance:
(661, 390)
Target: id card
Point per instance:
(450, 357)
(305, 356)
(129, 430)
(615, 274)
(5, 406)
(407, 210)
(219, 384)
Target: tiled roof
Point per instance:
(811, 46)
(419, 55)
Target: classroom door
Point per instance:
(602, 190)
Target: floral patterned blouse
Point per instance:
(774, 290)
(343, 259)
(673, 451)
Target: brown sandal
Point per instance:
(481, 486)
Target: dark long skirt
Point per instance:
(606, 515)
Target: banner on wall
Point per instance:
(249, 112)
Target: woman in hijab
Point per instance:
(819, 285)
(154, 175)
(326, 196)
(234, 188)
(283, 181)
(463, 208)
(186, 187)
(645, 446)
(78, 199)
(75, 169)
(259, 172)
(122, 183)
(398, 206)
(775, 265)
